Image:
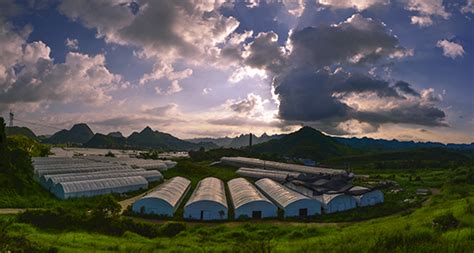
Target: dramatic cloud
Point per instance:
(28, 74)
(307, 91)
(450, 49)
(357, 40)
(356, 4)
(72, 44)
(164, 30)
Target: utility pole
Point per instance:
(11, 119)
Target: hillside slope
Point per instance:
(78, 134)
(304, 143)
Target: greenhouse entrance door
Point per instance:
(205, 215)
(303, 212)
(256, 214)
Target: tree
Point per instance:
(4, 157)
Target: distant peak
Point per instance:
(147, 130)
(81, 127)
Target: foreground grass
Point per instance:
(407, 232)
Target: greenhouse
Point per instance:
(337, 202)
(257, 163)
(165, 199)
(248, 201)
(293, 204)
(208, 201)
(366, 197)
(277, 175)
(96, 187)
(110, 167)
(150, 176)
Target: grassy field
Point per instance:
(411, 231)
(397, 225)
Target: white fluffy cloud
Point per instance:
(72, 44)
(469, 7)
(163, 30)
(426, 9)
(29, 76)
(421, 21)
(450, 49)
(355, 4)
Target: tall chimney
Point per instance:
(250, 140)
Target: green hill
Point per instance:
(20, 131)
(106, 141)
(148, 138)
(78, 134)
(304, 143)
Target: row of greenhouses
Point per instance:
(261, 200)
(81, 177)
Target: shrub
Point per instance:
(445, 222)
(171, 229)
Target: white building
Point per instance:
(337, 202)
(96, 187)
(208, 201)
(367, 197)
(165, 199)
(294, 204)
(248, 201)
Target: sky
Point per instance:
(391, 69)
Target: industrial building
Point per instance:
(96, 187)
(208, 201)
(248, 201)
(263, 164)
(165, 199)
(293, 204)
(366, 197)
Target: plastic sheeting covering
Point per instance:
(98, 187)
(279, 193)
(243, 192)
(210, 189)
(110, 167)
(257, 163)
(171, 191)
(277, 175)
(150, 176)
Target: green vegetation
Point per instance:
(443, 224)
(305, 143)
(14, 130)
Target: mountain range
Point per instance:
(240, 141)
(82, 135)
(306, 142)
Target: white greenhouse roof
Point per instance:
(210, 189)
(277, 175)
(111, 174)
(171, 191)
(243, 192)
(279, 193)
(81, 170)
(100, 184)
(253, 162)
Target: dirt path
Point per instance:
(15, 210)
(127, 202)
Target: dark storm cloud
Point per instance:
(414, 114)
(356, 40)
(406, 88)
(266, 53)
